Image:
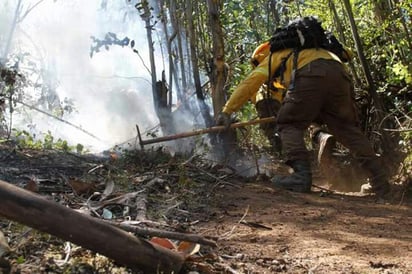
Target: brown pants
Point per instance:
(323, 94)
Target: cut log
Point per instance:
(36, 211)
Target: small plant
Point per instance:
(25, 139)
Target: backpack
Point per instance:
(303, 33)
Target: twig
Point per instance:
(165, 234)
(403, 196)
(218, 180)
(226, 235)
(324, 189)
(227, 268)
(398, 130)
(141, 208)
(68, 251)
(58, 118)
(96, 167)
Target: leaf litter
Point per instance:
(255, 228)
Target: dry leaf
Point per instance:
(166, 243)
(32, 186)
(188, 248)
(80, 187)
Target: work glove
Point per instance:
(223, 119)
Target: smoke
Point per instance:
(111, 92)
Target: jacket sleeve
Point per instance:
(248, 88)
(251, 84)
(244, 91)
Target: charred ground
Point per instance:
(258, 229)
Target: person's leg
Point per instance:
(300, 107)
(341, 117)
(352, 137)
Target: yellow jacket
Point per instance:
(250, 85)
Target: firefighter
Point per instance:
(319, 89)
(268, 101)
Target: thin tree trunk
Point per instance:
(175, 23)
(204, 108)
(146, 16)
(218, 70)
(169, 40)
(386, 140)
(342, 38)
(218, 75)
(178, 64)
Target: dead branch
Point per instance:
(59, 119)
(228, 234)
(36, 211)
(153, 232)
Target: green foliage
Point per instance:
(26, 140)
(401, 73)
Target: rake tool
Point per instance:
(201, 131)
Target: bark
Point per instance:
(31, 209)
(218, 75)
(218, 66)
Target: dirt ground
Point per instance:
(258, 229)
(263, 230)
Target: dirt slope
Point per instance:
(309, 233)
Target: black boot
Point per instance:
(379, 178)
(299, 181)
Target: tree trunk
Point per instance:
(204, 108)
(168, 40)
(218, 72)
(146, 16)
(339, 28)
(177, 34)
(218, 75)
(159, 88)
(387, 145)
(176, 26)
(30, 209)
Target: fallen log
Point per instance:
(36, 211)
(201, 131)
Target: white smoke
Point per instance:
(111, 91)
